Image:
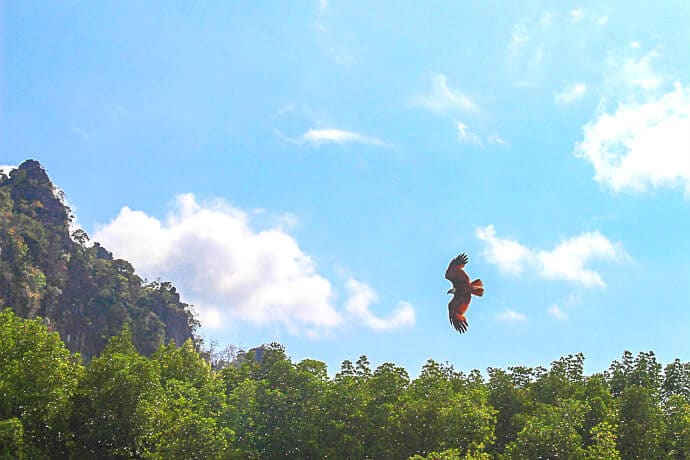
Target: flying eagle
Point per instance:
(462, 292)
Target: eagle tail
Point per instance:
(459, 322)
(477, 287)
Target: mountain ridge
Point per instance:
(79, 289)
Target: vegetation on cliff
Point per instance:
(79, 289)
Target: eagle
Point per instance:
(462, 291)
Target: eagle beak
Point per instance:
(451, 291)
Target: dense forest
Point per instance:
(79, 289)
(176, 404)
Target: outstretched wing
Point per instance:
(456, 275)
(457, 307)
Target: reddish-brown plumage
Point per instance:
(463, 290)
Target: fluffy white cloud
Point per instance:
(361, 296)
(564, 262)
(442, 98)
(511, 316)
(571, 93)
(641, 145)
(226, 269)
(338, 136)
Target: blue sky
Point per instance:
(304, 171)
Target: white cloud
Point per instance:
(555, 311)
(603, 20)
(228, 270)
(467, 136)
(571, 93)
(511, 316)
(225, 268)
(641, 145)
(442, 98)
(361, 296)
(337, 136)
(509, 255)
(564, 262)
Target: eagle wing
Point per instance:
(457, 307)
(456, 275)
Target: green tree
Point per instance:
(445, 409)
(551, 432)
(510, 397)
(346, 424)
(676, 380)
(184, 420)
(107, 413)
(641, 424)
(386, 387)
(565, 380)
(603, 445)
(601, 406)
(676, 438)
(38, 377)
(12, 445)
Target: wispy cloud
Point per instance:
(519, 37)
(558, 310)
(495, 139)
(81, 133)
(627, 74)
(361, 296)
(576, 14)
(442, 98)
(511, 316)
(571, 93)
(641, 145)
(318, 137)
(118, 113)
(467, 136)
(555, 311)
(566, 261)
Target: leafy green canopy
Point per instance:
(174, 404)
